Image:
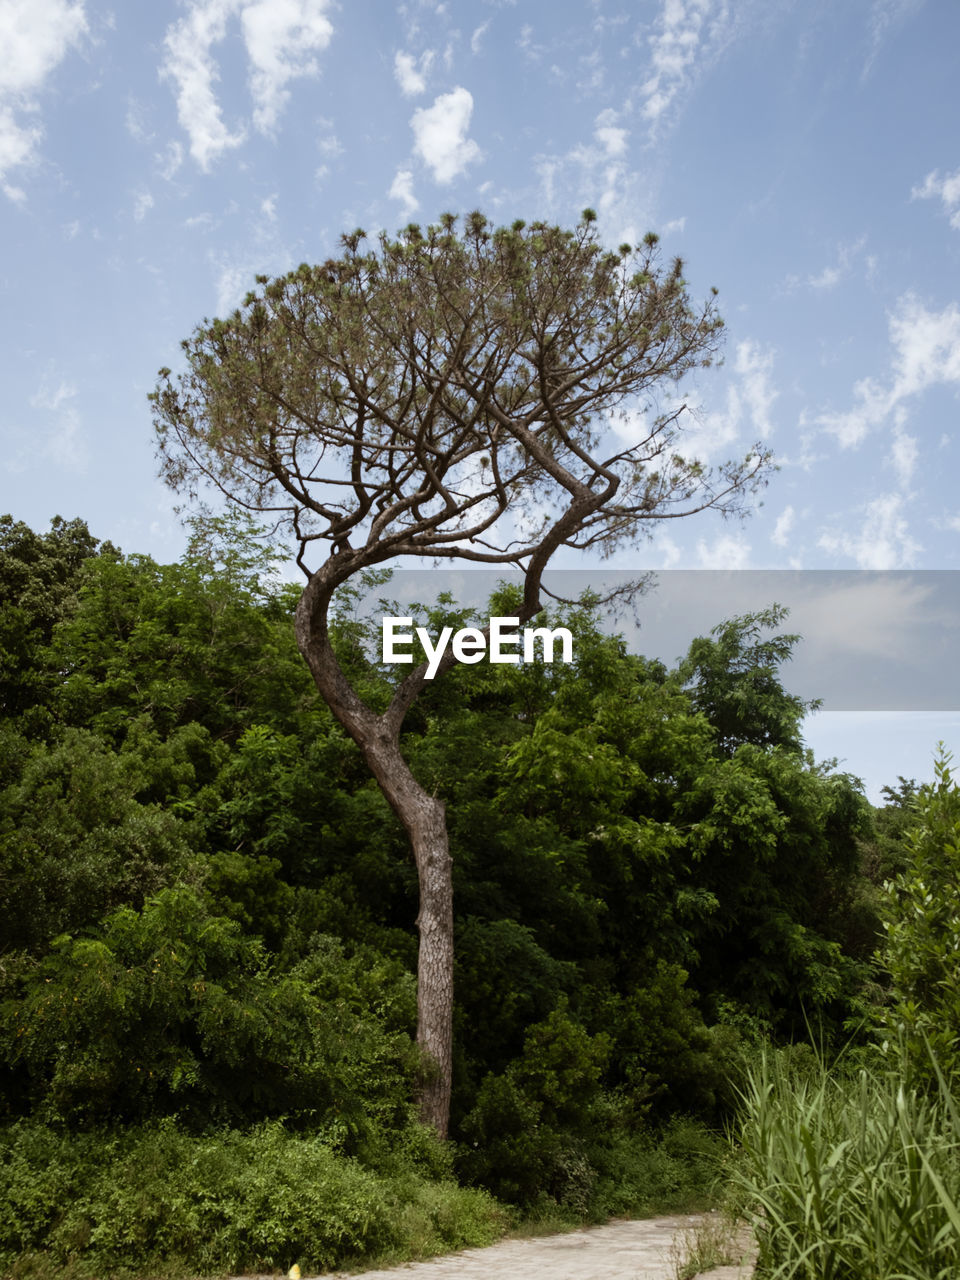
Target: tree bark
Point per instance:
(424, 819)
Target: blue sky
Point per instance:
(802, 157)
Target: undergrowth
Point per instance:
(157, 1203)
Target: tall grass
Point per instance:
(851, 1173)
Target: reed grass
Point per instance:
(850, 1174)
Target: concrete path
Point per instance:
(645, 1249)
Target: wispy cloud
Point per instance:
(611, 137)
(402, 189)
(142, 205)
(832, 274)
(476, 39)
(729, 551)
(63, 443)
(687, 34)
(280, 37)
(746, 413)
(884, 19)
(883, 540)
(189, 64)
(411, 77)
(926, 353)
(784, 526)
(903, 453)
(35, 36)
(947, 189)
(440, 135)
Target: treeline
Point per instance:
(208, 912)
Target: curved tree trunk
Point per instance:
(424, 819)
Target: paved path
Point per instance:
(636, 1250)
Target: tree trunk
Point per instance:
(425, 822)
(428, 836)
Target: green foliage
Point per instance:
(198, 641)
(920, 915)
(210, 911)
(735, 681)
(74, 840)
(125, 1203)
(526, 1136)
(39, 576)
(173, 1009)
(850, 1173)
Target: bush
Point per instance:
(174, 1010)
(850, 1174)
(122, 1204)
(920, 915)
(526, 1135)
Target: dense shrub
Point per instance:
(145, 1200)
(920, 915)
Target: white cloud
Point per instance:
(279, 36)
(142, 206)
(476, 40)
(883, 540)
(35, 36)
(675, 224)
(926, 353)
(831, 276)
(402, 189)
(885, 17)
(688, 32)
(903, 453)
(440, 134)
(411, 80)
(784, 526)
(947, 189)
(134, 122)
(268, 207)
(189, 64)
(749, 400)
(329, 144)
(169, 161)
(611, 138)
(730, 551)
(669, 549)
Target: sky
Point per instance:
(801, 156)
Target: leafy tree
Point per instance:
(75, 842)
(198, 641)
(39, 575)
(447, 395)
(172, 1009)
(735, 681)
(920, 916)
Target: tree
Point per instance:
(920, 917)
(734, 677)
(452, 395)
(39, 576)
